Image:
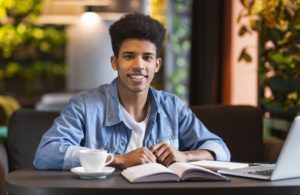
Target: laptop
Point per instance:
(287, 165)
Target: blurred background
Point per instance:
(216, 52)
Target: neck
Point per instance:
(135, 104)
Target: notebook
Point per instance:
(287, 165)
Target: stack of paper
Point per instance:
(217, 165)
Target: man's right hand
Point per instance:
(135, 157)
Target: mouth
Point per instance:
(137, 76)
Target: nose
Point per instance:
(138, 63)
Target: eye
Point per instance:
(128, 56)
(148, 57)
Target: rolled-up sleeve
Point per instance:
(58, 146)
(194, 135)
(71, 158)
(221, 152)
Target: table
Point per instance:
(64, 183)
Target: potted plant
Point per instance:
(32, 55)
(278, 25)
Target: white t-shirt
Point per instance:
(138, 130)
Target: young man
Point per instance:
(129, 118)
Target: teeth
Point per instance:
(137, 76)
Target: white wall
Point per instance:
(88, 54)
(244, 89)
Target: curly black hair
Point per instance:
(137, 26)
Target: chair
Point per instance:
(239, 126)
(25, 130)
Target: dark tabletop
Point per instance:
(65, 182)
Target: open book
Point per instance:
(154, 172)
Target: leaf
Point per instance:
(245, 56)
(254, 24)
(240, 16)
(243, 30)
(295, 57)
(244, 2)
(278, 58)
(297, 24)
(247, 3)
(292, 96)
(288, 35)
(257, 7)
(2, 12)
(282, 25)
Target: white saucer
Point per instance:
(92, 175)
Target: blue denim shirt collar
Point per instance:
(113, 113)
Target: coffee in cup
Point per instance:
(94, 160)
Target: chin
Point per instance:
(139, 89)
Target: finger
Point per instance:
(162, 156)
(169, 160)
(155, 147)
(162, 149)
(150, 160)
(159, 148)
(147, 159)
(151, 157)
(147, 155)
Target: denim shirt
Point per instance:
(93, 119)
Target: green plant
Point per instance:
(278, 25)
(181, 45)
(29, 51)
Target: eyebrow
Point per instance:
(149, 53)
(131, 52)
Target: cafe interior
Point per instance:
(236, 63)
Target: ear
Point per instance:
(158, 64)
(113, 61)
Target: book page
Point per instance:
(187, 171)
(217, 165)
(179, 168)
(150, 172)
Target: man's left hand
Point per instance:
(166, 154)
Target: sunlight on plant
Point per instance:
(180, 42)
(29, 51)
(278, 24)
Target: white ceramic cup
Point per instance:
(94, 160)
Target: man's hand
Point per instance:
(135, 157)
(166, 154)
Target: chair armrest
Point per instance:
(3, 166)
(3, 158)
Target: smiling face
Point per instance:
(136, 64)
